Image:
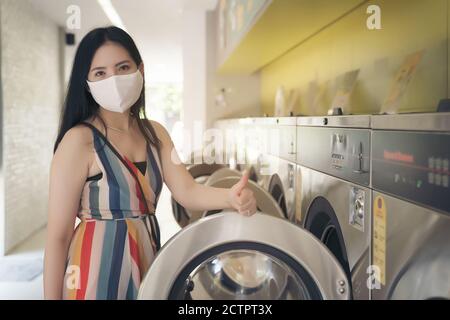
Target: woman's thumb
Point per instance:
(238, 187)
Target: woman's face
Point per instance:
(109, 60)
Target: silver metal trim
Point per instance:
(229, 227)
(284, 121)
(2, 166)
(260, 120)
(438, 121)
(287, 121)
(354, 121)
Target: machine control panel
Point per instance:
(344, 153)
(413, 166)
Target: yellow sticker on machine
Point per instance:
(379, 238)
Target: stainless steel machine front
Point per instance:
(411, 206)
(230, 256)
(333, 190)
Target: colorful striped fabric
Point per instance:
(118, 236)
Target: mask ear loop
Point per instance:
(86, 86)
(131, 111)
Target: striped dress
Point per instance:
(118, 236)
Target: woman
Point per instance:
(108, 168)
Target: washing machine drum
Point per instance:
(230, 256)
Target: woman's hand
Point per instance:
(241, 198)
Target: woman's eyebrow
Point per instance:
(117, 64)
(97, 68)
(122, 62)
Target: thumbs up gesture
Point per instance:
(242, 198)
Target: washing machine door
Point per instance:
(277, 192)
(230, 256)
(201, 173)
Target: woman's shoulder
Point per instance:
(161, 131)
(156, 125)
(78, 138)
(80, 134)
(74, 150)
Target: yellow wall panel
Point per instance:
(282, 25)
(407, 26)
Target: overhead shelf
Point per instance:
(283, 25)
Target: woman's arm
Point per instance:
(195, 196)
(69, 170)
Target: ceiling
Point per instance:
(155, 26)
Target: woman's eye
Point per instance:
(99, 73)
(124, 68)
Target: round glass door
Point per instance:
(244, 275)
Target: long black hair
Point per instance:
(79, 104)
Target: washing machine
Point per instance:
(411, 206)
(220, 174)
(276, 163)
(264, 200)
(236, 258)
(260, 137)
(231, 131)
(249, 143)
(333, 190)
(236, 143)
(245, 142)
(200, 172)
(281, 165)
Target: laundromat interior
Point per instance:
(338, 111)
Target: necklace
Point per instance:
(118, 130)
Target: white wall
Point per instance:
(242, 92)
(194, 68)
(201, 83)
(31, 80)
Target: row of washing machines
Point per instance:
(353, 207)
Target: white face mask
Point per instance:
(117, 93)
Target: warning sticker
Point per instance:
(379, 238)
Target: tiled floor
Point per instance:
(34, 247)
